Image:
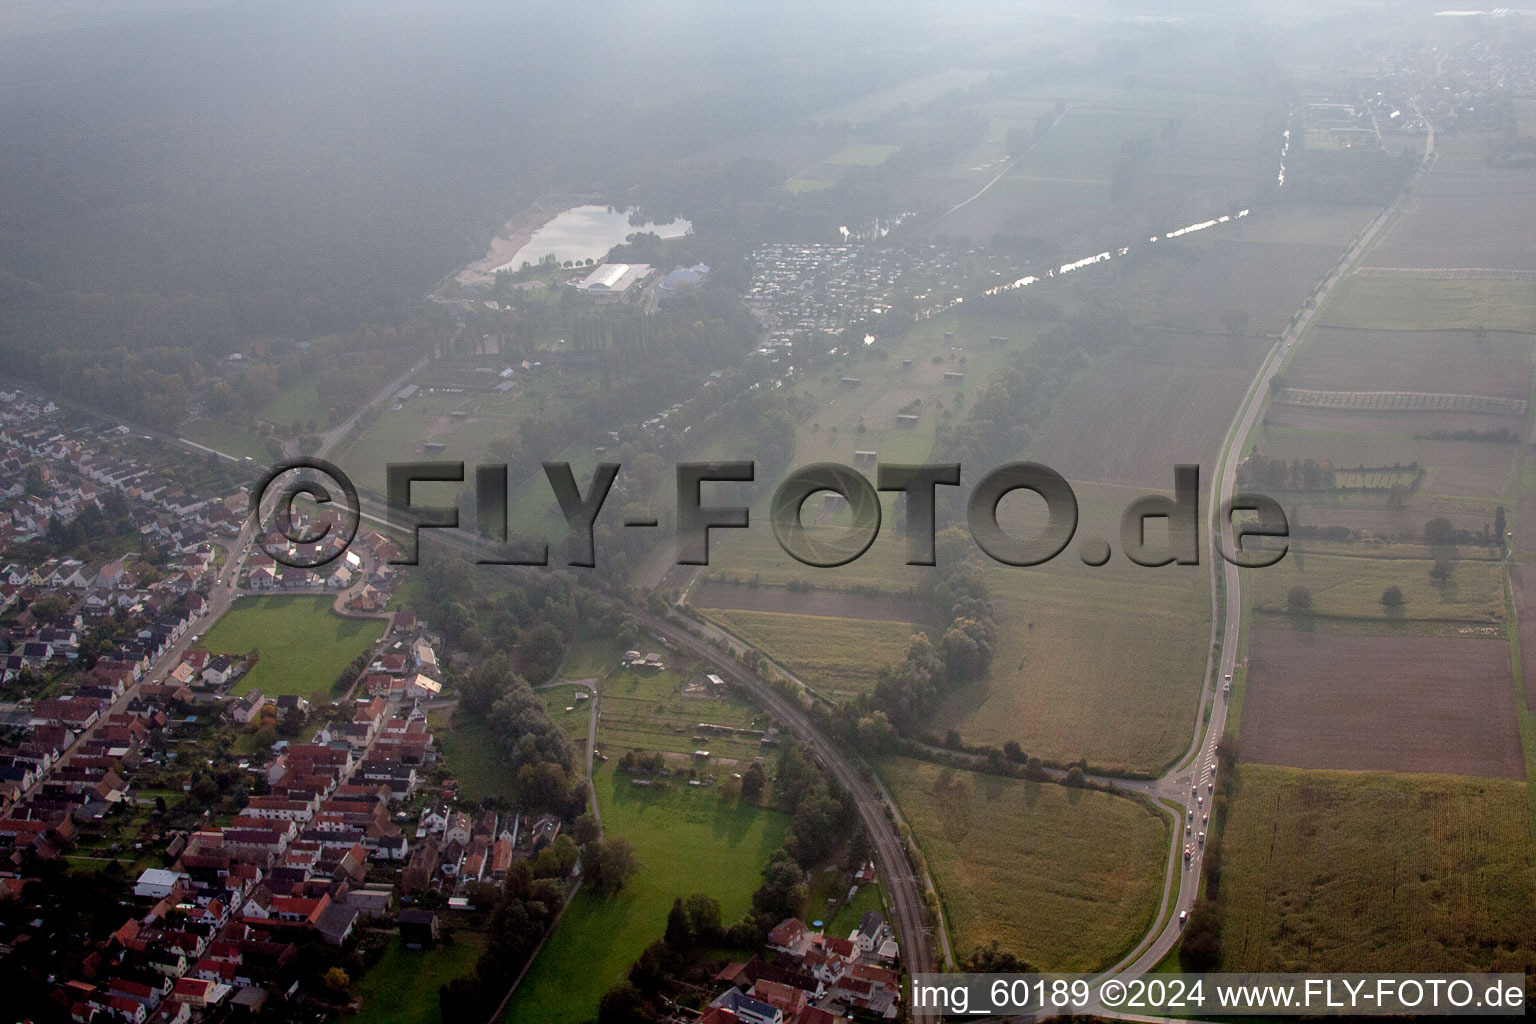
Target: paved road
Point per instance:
(1192, 781)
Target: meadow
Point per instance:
(227, 439)
(687, 840)
(1065, 878)
(1435, 304)
(304, 647)
(1348, 871)
(1350, 588)
(473, 757)
(1092, 668)
(401, 988)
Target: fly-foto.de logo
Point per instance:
(313, 540)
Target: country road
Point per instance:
(1191, 779)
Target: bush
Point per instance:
(1298, 599)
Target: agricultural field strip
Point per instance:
(1402, 401)
(1449, 273)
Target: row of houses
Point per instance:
(814, 978)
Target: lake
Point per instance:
(587, 232)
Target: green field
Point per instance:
(402, 987)
(222, 437)
(1345, 587)
(399, 434)
(1066, 878)
(1419, 304)
(1347, 871)
(298, 402)
(591, 658)
(688, 841)
(304, 647)
(836, 655)
(473, 756)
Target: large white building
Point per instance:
(614, 278)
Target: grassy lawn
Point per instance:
(403, 985)
(303, 646)
(1066, 878)
(591, 658)
(299, 401)
(1351, 871)
(866, 899)
(473, 755)
(688, 841)
(222, 437)
(837, 655)
(1411, 304)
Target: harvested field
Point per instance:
(830, 603)
(1405, 424)
(1498, 364)
(1361, 703)
(1484, 218)
(1341, 871)
(1133, 420)
(1188, 284)
(1303, 225)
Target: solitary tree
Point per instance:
(1392, 597)
(752, 782)
(1439, 532)
(1298, 599)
